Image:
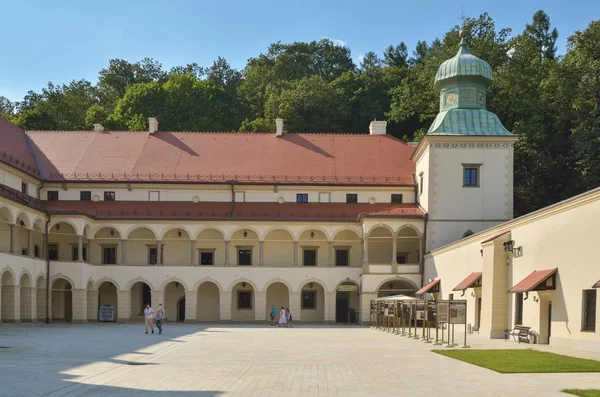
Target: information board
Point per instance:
(458, 312)
(442, 315)
(106, 313)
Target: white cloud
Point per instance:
(337, 42)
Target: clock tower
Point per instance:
(464, 164)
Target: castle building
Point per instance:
(220, 227)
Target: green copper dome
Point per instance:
(462, 82)
(463, 64)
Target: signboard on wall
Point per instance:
(458, 312)
(106, 313)
(347, 288)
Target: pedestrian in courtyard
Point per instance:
(148, 317)
(160, 315)
(273, 315)
(282, 318)
(289, 317)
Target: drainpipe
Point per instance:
(425, 218)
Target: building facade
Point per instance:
(223, 226)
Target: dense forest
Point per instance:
(552, 102)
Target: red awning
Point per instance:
(597, 285)
(468, 282)
(430, 286)
(532, 281)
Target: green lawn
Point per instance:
(512, 361)
(584, 392)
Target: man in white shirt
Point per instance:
(148, 317)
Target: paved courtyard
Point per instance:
(248, 360)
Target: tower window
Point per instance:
(471, 175)
(24, 187)
(85, 195)
(351, 198)
(396, 199)
(302, 198)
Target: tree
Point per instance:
(370, 61)
(396, 56)
(7, 108)
(543, 35)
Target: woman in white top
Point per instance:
(282, 318)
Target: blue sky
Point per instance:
(60, 41)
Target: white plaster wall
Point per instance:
(423, 166)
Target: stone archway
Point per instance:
(27, 299)
(7, 303)
(61, 300)
(174, 295)
(396, 287)
(208, 306)
(107, 296)
(278, 295)
(312, 302)
(141, 294)
(243, 302)
(347, 302)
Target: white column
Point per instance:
(30, 243)
(394, 250)
(191, 309)
(194, 259)
(261, 252)
(329, 307)
(158, 297)
(260, 305)
(79, 248)
(365, 307)
(296, 305)
(123, 306)
(79, 298)
(13, 238)
(92, 312)
(227, 258)
(123, 252)
(159, 253)
(225, 306)
(365, 250)
(295, 253)
(330, 253)
(33, 304)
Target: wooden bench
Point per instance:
(520, 333)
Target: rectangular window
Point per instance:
(109, 196)
(206, 257)
(519, 309)
(450, 296)
(351, 198)
(401, 258)
(244, 257)
(589, 310)
(342, 257)
(24, 187)
(85, 195)
(244, 300)
(154, 196)
(109, 256)
(309, 300)
(302, 198)
(75, 253)
(396, 199)
(310, 257)
(53, 252)
(52, 195)
(36, 251)
(153, 255)
(470, 175)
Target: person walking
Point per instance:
(148, 317)
(273, 315)
(289, 317)
(160, 315)
(282, 318)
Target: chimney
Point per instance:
(279, 125)
(98, 127)
(152, 124)
(377, 127)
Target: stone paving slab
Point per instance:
(249, 360)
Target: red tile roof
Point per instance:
(216, 210)
(220, 157)
(597, 285)
(468, 282)
(533, 280)
(428, 287)
(14, 150)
